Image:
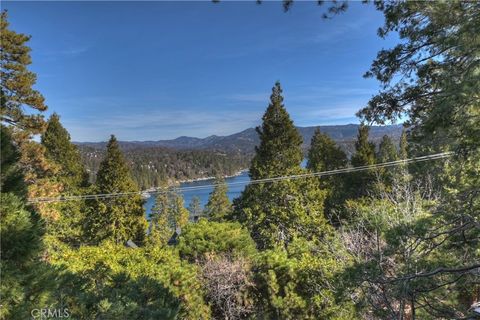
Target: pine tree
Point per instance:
(117, 218)
(403, 148)
(324, 154)
(167, 216)
(18, 105)
(364, 150)
(71, 175)
(279, 152)
(361, 183)
(178, 214)
(386, 150)
(11, 178)
(159, 229)
(195, 208)
(432, 76)
(25, 282)
(386, 153)
(59, 149)
(218, 206)
(17, 82)
(277, 212)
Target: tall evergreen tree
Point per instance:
(118, 218)
(386, 150)
(364, 150)
(71, 176)
(403, 147)
(218, 206)
(360, 183)
(178, 215)
(432, 75)
(159, 231)
(277, 212)
(25, 282)
(19, 104)
(167, 215)
(325, 155)
(61, 150)
(195, 208)
(16, 88)
(11, 178)
(279, 152)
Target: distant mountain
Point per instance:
(246, 140)
(190, 158)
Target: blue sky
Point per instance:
(159, 70)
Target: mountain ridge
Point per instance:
(246, 140)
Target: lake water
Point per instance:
(233, 191)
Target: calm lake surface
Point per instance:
(233, 191)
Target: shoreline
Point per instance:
(236, 174)
(179, 182)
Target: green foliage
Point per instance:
(218, 206)
(153, 166)
(207, 237)
(279, 152)
(17, 81)
(167, 215)
(276, 212)
(403, 148)
(361, 183)
(415, 250)
(11, 178)
(386, 150)
(297, 282)
(160, 231)
(119, 282)
(195, 208)
(432, 75)
(178, 215)
(20, 230)
(59, 149)
(117, 218)
(25, 283)
(71, 175)
(324, 154)
(408, 249)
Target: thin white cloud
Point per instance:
(159, 125)
(66, 52)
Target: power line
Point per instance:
(257, 181)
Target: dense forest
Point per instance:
(154, 166)
(153, 163)
(371, 242)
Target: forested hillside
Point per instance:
(184, 158)
(152, 166)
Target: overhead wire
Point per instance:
(436, 156)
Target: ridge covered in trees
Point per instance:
(152, 166)
(385, 243)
